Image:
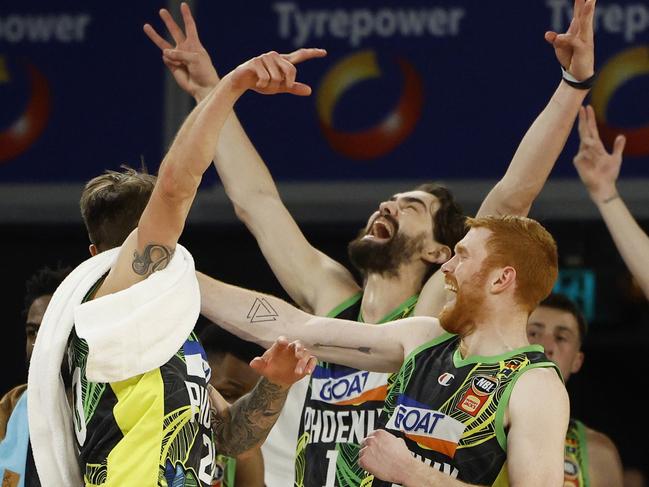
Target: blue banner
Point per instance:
(409, 89)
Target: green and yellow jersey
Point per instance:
(152, 429)
(575, 465)
(342, 406)
(450, 410)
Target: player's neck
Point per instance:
(495, 334)
(383, 294)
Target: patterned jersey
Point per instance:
(450, 410)
(342, 406)
(152, 429)
(575, 465)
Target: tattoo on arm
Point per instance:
(366, 350)
(249, 420)
(154, 258)
(261, 311)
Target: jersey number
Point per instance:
(332, 456)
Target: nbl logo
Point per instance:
(484, 385)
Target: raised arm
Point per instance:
(313, 280)
(546, 137)
(151, 246)
(542, 143)
(599, 171)
(262, 318)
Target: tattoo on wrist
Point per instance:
(154, 258)
(250, 420)
(261, 311)
(610, 198)
(365, 350)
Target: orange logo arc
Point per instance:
(388, 134)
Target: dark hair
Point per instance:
(43, 283)
(218, 341)
(111, 205)
(563, 303)
(449, 220)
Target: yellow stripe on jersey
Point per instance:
(139, 414)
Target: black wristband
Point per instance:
(586, 84)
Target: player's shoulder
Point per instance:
(599, 441)
(540, 384)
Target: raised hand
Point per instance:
(188, 60)
(284, 363)
(575, 48)
(273, 73)
(596, 167)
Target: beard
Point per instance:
(460, 318)
(383, 257)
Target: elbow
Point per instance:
(515, 200)
(176, 184)
(240, 210)
(253, 208)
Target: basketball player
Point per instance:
(472, 402)
(591, 458)
(16, 461)
(151, 429)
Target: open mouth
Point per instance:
(450, 287)
(381, 229)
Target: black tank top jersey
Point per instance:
(342, 406)
(450, 410)
(151, 429)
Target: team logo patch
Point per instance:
(352, 388)
(511, 366)
(429, 428)
(482, 386)
(470, 404)
(445, 379)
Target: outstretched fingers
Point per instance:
(618, 145)
(188, 19)
(586, 21)
(156, 38)
(173, 28)
(304, 54)
(592, 122)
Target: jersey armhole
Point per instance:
(501, 436)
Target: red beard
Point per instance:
(460, 318)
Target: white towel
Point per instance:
(128, 333)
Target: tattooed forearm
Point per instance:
(154, 258)
(249, 420)
(261, 311)
(366, 350)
